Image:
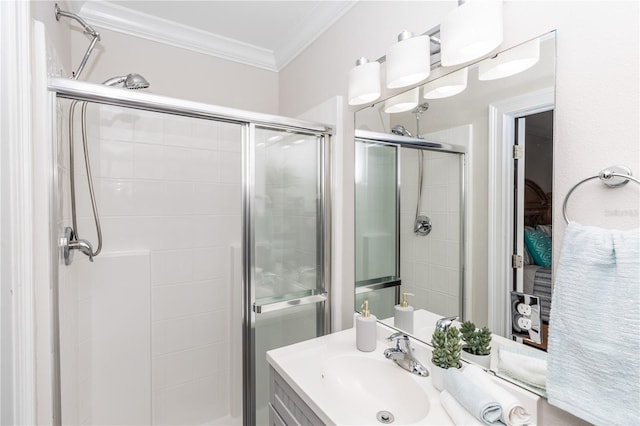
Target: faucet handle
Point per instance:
(444, 323)
(397, 336)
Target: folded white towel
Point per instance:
(593, 354)
(457, 412)
(513, 412)
(472, 397)
(526, 365)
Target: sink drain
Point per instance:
(385, 417)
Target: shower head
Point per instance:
(129, 81)
(421, 108)
(401, 131)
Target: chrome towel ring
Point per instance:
(614, 177)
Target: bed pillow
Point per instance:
(539, 245)
(528, 260)
(544, 228)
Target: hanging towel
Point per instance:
(594, 331)
(457, 412)
(472, 397)
(513, 412)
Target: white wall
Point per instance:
(178, 73)
(149, 321)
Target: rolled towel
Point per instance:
(457, 412)
(527, 366)
(513, 412)
(472, 397)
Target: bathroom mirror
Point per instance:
(439, 262)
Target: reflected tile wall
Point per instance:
(430, 264)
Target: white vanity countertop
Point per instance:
(303, 364)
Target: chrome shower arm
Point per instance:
(88, 29)
(114, 80)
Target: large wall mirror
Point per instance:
(441, 164)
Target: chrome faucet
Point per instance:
(402, 355)
(443, 324)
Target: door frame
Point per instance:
(502, 117)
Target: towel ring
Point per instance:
(608, 177)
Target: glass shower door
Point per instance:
(288, 270)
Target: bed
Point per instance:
(537, 216)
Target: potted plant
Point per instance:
(477, 348)
(446, 353)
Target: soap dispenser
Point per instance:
(403, 314)
(366, 329)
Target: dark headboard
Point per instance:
(537, 205)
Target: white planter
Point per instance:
(483, 361)
(437, 376)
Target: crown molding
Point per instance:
(120, 19)
(308, 31)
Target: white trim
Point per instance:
(118, 18)
(308, 31)
(502, 117)
(17, 203)
(127, 21)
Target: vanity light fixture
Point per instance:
(445, 86)
(409, 60)
(364, 82)
(471, 30)
(510, 62)
(402, 102)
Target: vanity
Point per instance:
(327, 381)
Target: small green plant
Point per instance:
(477, 341)
(446, 348)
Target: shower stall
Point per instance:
(215, 239)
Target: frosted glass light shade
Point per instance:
(470, 31)
(402, 102)
(510, 62)
(364, 82)
(408, 61)
(448, 85)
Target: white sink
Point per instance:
(367, 386)
(344, 386)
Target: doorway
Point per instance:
(532, 237)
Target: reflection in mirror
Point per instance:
(376, 228)
(428, 182)
(428, 265)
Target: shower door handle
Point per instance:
(290, 303)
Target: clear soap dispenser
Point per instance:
(366, 329)
(403, 314)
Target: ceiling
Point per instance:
(265, 34)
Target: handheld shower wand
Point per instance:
(71, 241)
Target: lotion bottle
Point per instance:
(403, 314)
(366, 329)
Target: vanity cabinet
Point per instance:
(286, 408)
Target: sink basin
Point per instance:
(366, 385)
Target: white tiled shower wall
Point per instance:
(430, 264)
(169, 197)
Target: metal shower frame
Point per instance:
(397, 141)
(96, 93)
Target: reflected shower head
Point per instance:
(421, 108)
(400, 130)
(129, 81)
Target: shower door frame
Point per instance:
(100, 94)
